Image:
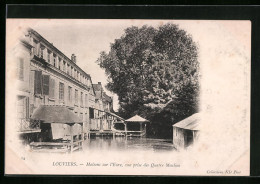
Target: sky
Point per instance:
(87, 38)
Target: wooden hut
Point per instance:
(135, 126)
(61, 129)
(186, 131)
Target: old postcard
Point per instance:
(127, 97)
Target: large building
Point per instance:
(46, 76)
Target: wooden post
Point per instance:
(145, 129)
(141, 129)
(125, 130)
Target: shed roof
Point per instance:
(55, 114)
(113, 114)
(190, 123)
(107, 98)
(136, 118)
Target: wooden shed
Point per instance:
(186, 132)
(61, 129)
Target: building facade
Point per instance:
(104, 106)
(186, 132)
(46, 76)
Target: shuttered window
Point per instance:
(49, 56)
(64, 66)
(46, 84)
(31, 80)
(23, 107)
(69, 93)
(41, 51)
(76, 96)
(68, 69)
(91, 113)
(81, 99)
(21, 69)
(54, 60)
(27, 108)
(52, 88)
(60, 63)
(35, 47)
(61, 91)
(86, 100)
(38, 82)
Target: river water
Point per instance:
(131, 143)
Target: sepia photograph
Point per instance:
(128, 97)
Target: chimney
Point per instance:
(73, 58)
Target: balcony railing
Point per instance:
(27, 125)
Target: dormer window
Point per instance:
(41, 51)
(35, 47)
(60, 63)
(64, 66)
(54, 60)
(68, 69)
(49, 56)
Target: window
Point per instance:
(64, 66)
(81, 99)
(46, 82)
(91, 113)
(49, 57)
(72, 71)
(35, 47)
(54, 60)
(61, 91)
(76, 96)
(69, 93)
(22, 106)
(38, 82)
(21, 69)
(86, 100)
(52, 88)
(60, 63)
(68, 69)
(41, 51)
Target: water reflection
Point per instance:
(131, 143)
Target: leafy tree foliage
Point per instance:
(154, 72)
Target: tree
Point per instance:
(150, 68)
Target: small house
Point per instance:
(186, 132)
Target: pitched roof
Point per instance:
(107, 98)
(116, 116)
(136, 118)
(57, 50)
(190, 123)
(55, 114)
